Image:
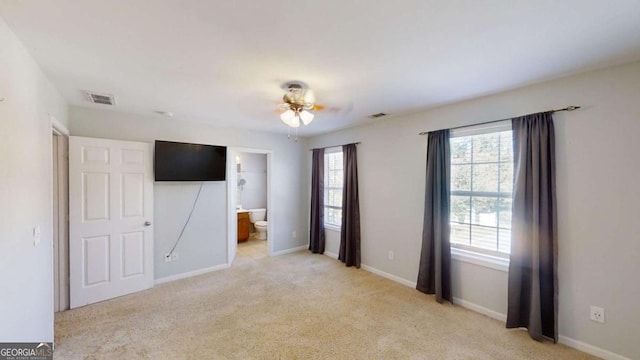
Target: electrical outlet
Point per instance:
(174, 257)
(390, 255)
(294, 234)
(597, 314)
(167, 258)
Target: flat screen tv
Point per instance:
(174, 161)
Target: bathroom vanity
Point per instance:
(244, 226)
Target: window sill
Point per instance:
(332, 228)
(492, 262)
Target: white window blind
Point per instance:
(333, 178)
(481, 188)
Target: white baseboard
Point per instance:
(330, 254)
(190, 274)
(371, 269)
(399, 280)
(480, 309)
(289, 251)
(579, 345)
(216, 268)
(590, 349)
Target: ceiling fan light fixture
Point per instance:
(306, 117)
(295, 122)
(287, 116)
(297, 101)
(291, 118)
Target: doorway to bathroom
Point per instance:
(249, 204)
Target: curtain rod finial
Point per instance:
(571, 108)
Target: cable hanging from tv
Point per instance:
(186, 222)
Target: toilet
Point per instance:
(257, 218)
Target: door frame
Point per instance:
(232, 215)
(60, 213)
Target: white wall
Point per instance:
(253, 194)
(26, 272)
(203, 243)
(208, 235)
(598, 199)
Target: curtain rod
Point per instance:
(326, 147)
(568, 108)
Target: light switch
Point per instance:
(36, 236)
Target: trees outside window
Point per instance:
(481, 190)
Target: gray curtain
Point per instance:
(350, 232)
(316, 236)
(434, 275)
(533, 281)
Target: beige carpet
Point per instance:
(296, 306)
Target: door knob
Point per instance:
(147, 223)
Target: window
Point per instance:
(333, 187)
(481, 189)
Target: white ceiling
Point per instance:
(223, 62)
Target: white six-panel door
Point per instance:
(110, 215)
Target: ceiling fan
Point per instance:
(298, 102)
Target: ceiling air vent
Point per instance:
(98, 98)
(375, 116)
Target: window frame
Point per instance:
(330, 151)
(468, 253)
